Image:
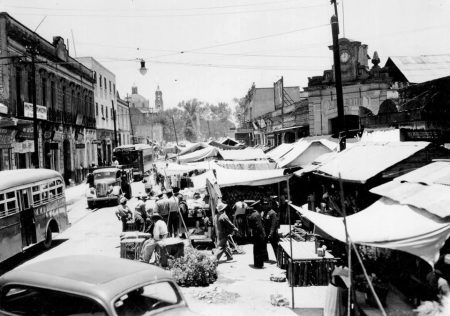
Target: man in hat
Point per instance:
(140, 216)
(258, 238)
(224, 228)
(159, 232)
(162, 206)
(123, 213)
(174, 214)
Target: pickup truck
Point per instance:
(107, 186)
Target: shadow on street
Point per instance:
(26, 255)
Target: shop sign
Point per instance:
(80, 146)
(28, 111)
(24, 147)
(96, 141)
(48, 135)
(25, 133)
(80, 137)
(7, 136)
(429, 135)
(58, 136)
(79, 120)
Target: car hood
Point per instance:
(105, 181)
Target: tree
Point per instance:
(189, 131)
(239, 109)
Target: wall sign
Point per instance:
(28, 111)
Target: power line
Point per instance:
(173, 15)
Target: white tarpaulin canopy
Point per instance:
(243, 154)
(388, 224)
(199, 155)
(302, 153)
(363, 161)
(280, 151)
(232, 177)
(170, 169)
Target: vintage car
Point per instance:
(107, 186)
(90, 285)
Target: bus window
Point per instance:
(59, 190)
(2, 210)
(2, 197)
(11, 203)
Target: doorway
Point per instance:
(27, 221)
(67, 158)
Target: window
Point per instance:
(26, 300)
(102, 111)
(52, 95)
(19, 85)
(104, 80)
(30, 88)
(64, 99)
(110, 86)
(44, 92)
(100, 80)
(106, 112)
(149, 298)
(96, 109)
(112, 113)
(8, 204)
(114, 87)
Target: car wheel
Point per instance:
(48, 239)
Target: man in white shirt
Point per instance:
(240, 219)
(159, 232)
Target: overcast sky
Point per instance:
(227, 45)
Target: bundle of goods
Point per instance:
(169, 248)
(131, 244)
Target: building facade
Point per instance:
(123, 122)
(64, 100)
(364, 90)
(105, 104)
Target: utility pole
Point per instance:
(32, 50)
(175, 130)
(337, 75)
(115, 124)
(131, 123)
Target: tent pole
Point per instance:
(349, 249)
(290, 240)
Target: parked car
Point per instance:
(90, 285)
(107, 186)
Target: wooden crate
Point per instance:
(130, 248)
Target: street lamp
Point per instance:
(143, 70)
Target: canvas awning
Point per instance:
(193, 147)
(302, 153)
(247, 164)
(170, 169)
(243, 154)
(388, 224)
(363, 161)
(279, 151)
(199, 155)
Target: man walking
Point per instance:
(271, 222)
(258, 239)
(162, 206)
(224, 228)
(123, 213)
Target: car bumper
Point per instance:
(103, 199)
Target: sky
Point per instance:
(213, 50)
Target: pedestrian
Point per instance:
(140, 215)
(258, 239)
(115, 162)
(123, 213)
(158, 233)
(240, 208)
(126, 187)
(90, 180)
(271, 224)
(162, 206)
(224, 228)
(174, 214)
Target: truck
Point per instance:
(106, 189)
(139, 157)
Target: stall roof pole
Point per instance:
(290, 239)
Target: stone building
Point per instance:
(64, 99)
(105, 104)
(364, 90)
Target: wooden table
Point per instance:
(308, 268)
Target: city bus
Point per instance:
(32, 209)
(140, 157)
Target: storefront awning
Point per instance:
(388, 224)
(199, 155)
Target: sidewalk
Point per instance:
(253, 289)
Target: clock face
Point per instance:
(345, 56)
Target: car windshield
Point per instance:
(146, 299)
(105, 175)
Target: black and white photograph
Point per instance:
(224, 157)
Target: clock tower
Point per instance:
(159, 104)
(354, 60)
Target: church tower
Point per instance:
(159, 104)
